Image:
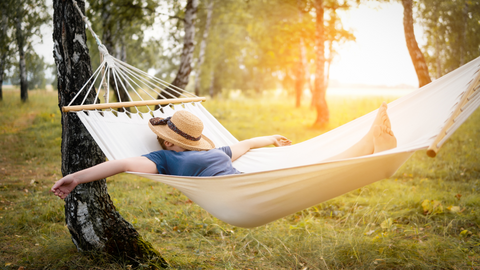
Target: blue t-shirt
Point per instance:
(213, 162)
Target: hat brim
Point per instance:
(164, 132)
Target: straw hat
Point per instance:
(183, 129)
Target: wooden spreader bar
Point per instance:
(435, 147)
(112, 105)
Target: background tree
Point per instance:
(203, 45)
(120, 24)
(452, 33)
(35, 68)
(415, 54)
(257, 45)
(418, 59)
(328, 31)
(186, 58)
(91, 217)
(29, 16)
(320, 89)
(301, 74)
(5, 39)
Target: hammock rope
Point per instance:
(121, 76)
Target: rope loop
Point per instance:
(103, 49)
(87, 23)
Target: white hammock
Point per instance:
(281, 181)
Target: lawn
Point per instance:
(426, 216)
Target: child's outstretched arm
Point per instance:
(64, 186)
(240, 148)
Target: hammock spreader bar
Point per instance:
(130, 104)
(472, 90)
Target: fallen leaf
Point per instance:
(386, 224)
(465, 233)
(431, 207)
(453, 209)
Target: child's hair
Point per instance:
(161, 142)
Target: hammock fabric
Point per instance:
(281, 181)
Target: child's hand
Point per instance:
(281, 141)
(64, 186)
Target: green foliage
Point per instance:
(255, 45)
(382, 225)
(452, 33)
(36, 67)
(23, 20)
(120, 26)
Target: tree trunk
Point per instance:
(21, 53)
(417, 56)
(91, 217)
(437, 57)
(436, 40)
(300, 74)
(464, 34)
(319, 85)
(329, 61)
(2, 71)
(203, 45)
(301, 65)
(3, 49)
(181, 80)
(211, 89)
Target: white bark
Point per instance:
(203, 45)
(181, 80)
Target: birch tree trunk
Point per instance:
(464, 34)
(319, 84)
(21, 53)
(302, 63)
(181, 80)
(91, 217)
(3, 49)
(203, 45)
(2, 71)
(300, 74)
(415, 54)
(211, 89)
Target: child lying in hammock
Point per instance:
(187, 152)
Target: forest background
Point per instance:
(250, 46)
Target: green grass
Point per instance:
(380, 226)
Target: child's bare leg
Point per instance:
(366, 145)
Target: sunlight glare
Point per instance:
(379, 56)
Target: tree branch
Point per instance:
(172, 17)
